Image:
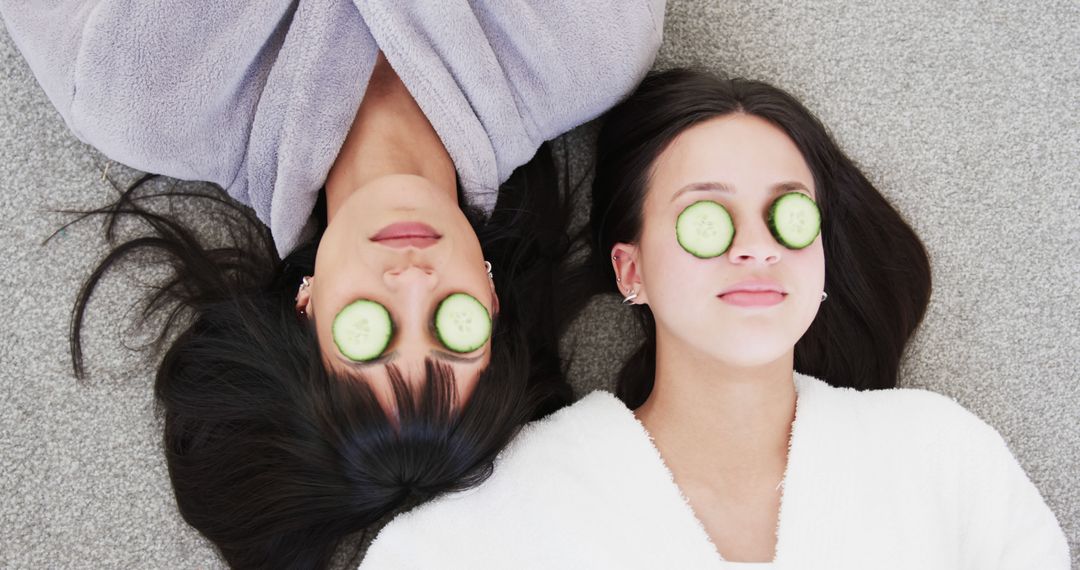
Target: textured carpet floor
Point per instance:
(964, 113)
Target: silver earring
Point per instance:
(305, 282)
(824, 296)
(487, 266)
(628, 300)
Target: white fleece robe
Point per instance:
(901, 478)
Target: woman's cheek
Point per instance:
(681, 298)
(675, 273)
(810, 272)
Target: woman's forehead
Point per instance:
(729, 155)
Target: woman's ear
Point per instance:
(303, 299)
(627, 265)
(494, 297)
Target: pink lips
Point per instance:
(407, 234)
(754, 293)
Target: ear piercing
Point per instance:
(824, 296)
(487, 266)
(305, 282)
(628, 300)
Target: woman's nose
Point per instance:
(753, 242)
(411, 276)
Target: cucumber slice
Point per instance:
(362, 330)
(462, 323)
(794, 220)
(705, 229)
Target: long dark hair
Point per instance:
(877, 272)
(272, 456)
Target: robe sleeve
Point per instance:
(256, 97)
(1010, 526)
(168, 87)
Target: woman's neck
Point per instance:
(390, 135)
(716, 423)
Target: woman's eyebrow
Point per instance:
(384, 359)
(438, 354)
(442, 355)
(703, 187)
(789, 186)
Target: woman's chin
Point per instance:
(750, 355)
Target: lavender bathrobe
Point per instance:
(258, 97)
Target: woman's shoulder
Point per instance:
(563, 463)
(933, 451)
(598, 410)
(909, 411)
(891, 403)
(568, 443)
(572, 490)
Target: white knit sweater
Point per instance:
(882, 479)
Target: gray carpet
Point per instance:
(964, 113)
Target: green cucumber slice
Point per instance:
(794, 220)
(362, 330)
(705, 229)
(462, 323)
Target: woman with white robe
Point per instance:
(759, 426)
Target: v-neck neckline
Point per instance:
(688, 508)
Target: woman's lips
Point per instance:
(752, 298)
(407, 234)
(420, 242)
